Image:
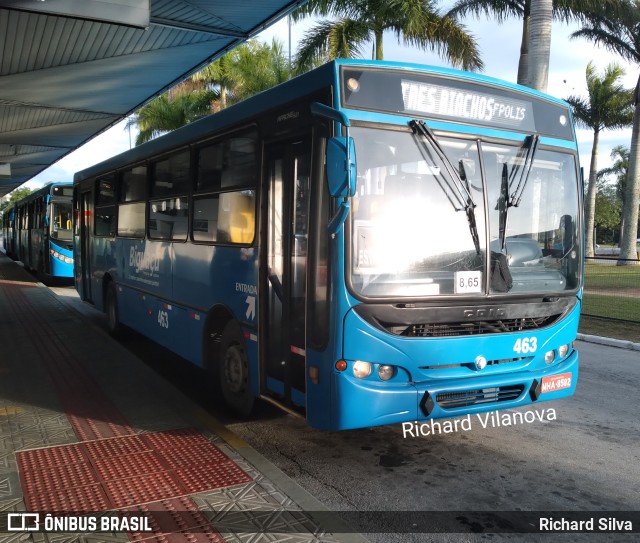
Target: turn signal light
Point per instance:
(341, 365)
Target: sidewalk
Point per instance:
(610, 342)
(88, 431)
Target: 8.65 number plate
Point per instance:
(468, 281)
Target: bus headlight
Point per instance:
(361, 369)
(61, 257)
(549, 357)
(563, 350)
(386, 372)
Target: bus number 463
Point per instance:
(163, 319)
(526, 345)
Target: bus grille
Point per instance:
(472, 328)
(471, 365)
(452, 400)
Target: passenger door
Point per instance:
(285, 262)
(84, 221)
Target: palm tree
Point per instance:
(540, 42)
(619, 170)
(220, 74)
(250, 68)
(622, 36)
(608, 106)
(260, 66)
(170, 111)
(416, 23)
(563, 10)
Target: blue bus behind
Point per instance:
(370, 243)
(38, 231)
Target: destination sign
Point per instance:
(461, 100)
(433, 99)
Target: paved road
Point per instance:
(586, 459)
(583, 455)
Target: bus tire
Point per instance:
(234, 371)
(111, 310)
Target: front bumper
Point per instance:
(364, 403)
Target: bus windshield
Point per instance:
(420, 229)
(60, 221)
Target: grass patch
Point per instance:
(595, 326)
(610, 277)
(613, 307)
(612, 291)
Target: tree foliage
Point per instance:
(354, 24)
(620, 33)
(608, 106)
(15, 196)
(248, 69)
(565, 11)
(612, 181)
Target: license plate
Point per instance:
(556, 382)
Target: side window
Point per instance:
(170, 176)
(228, 163)
(227, 171)
(131, 213)
(228, 217)
(168, 218)
(30, 215)
(131, 220)
(36, 214)
(133, 183)
(169, 204)
(205, 218)
(105, 207)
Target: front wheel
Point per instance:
(111, 309)
(234, 371)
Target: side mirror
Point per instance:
(46, 215)
(341, 167)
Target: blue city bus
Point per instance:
(38, 231)
(369, 243)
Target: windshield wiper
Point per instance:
(503, 205)
(508, 199)
(456, 179)
(527, 151)
(469, 208)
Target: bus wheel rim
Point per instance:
(234, 369)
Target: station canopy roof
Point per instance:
(71, 69)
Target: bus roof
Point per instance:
(242, 112)
(451, 72)
(302, 85)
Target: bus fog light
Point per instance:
(386, 372)
(361, 369)
(549, 357)
(563, 350)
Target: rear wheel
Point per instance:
(234, 371)
(111, 309)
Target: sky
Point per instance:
(499, 47)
